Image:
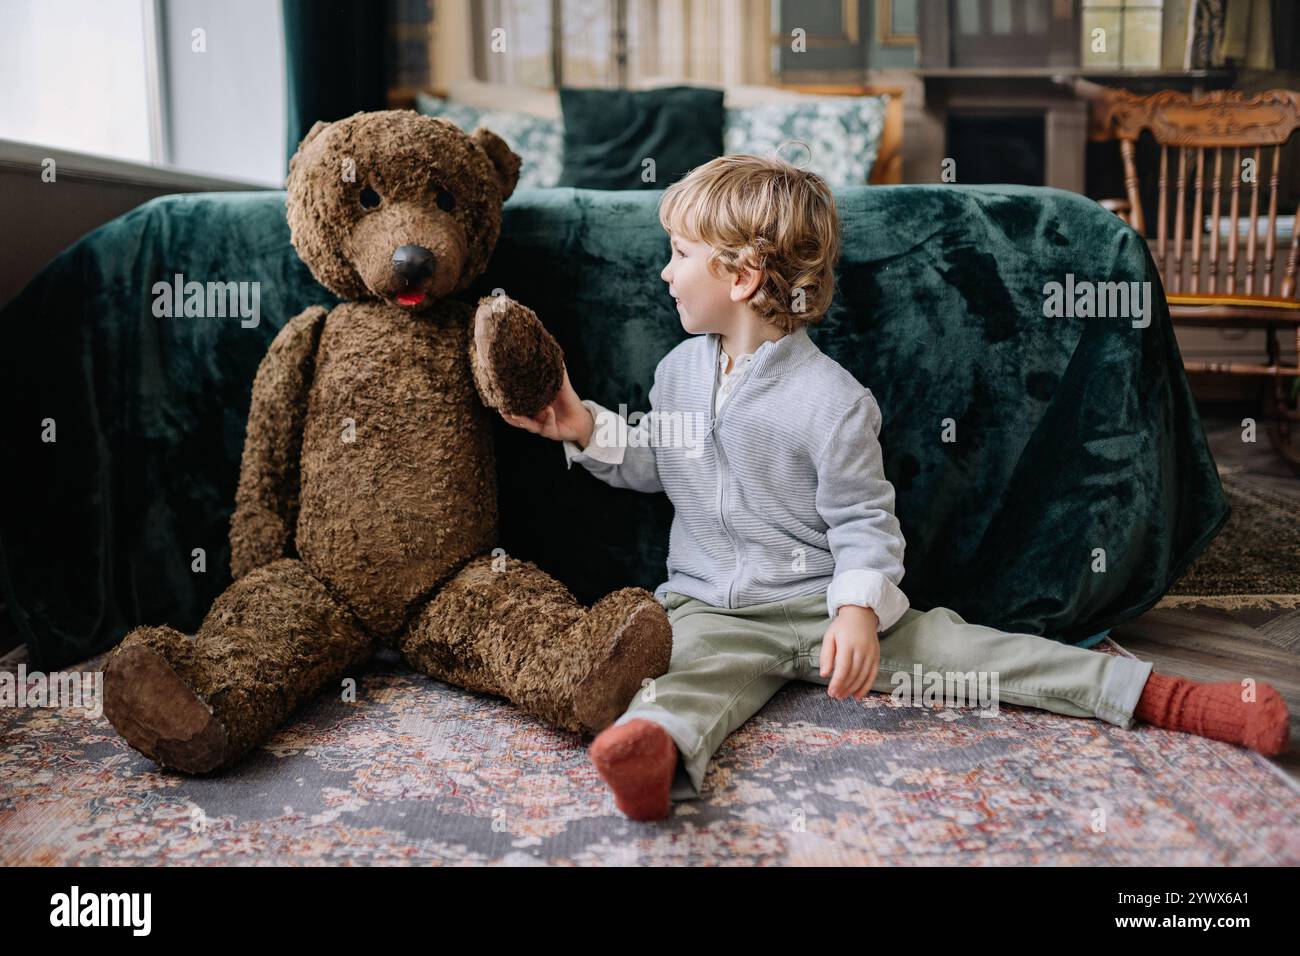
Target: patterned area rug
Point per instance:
(1254, 560)
(418, 772)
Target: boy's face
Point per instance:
(705, 302)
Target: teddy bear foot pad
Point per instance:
(159, 715)
(642, 645)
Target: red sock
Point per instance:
(638, 760)
(1216, 711)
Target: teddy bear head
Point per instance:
(397, 206)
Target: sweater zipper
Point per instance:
(716, 416)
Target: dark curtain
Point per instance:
(334, 61)
(1286, 35)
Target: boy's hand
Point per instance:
(851, 646)
(565, 419)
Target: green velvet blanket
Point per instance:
(1077, 485)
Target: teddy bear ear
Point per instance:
(317, 128)
(507, 163)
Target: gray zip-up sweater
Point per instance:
(780, 494)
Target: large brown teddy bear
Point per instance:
(367, 507)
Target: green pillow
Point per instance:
(609, 134)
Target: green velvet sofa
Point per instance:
(1077, 440)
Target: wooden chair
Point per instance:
(1213, 136)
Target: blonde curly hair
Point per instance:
(768, 215)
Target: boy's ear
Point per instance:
(745, 284)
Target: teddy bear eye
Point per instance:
(446, 201)
(369, 198)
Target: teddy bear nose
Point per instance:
(413, 263)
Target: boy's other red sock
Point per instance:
(1216, 711)
(638, 761)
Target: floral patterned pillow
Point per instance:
(842, 134)
(538, 141)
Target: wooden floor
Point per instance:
(1213, 644)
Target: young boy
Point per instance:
(785, 556)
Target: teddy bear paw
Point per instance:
(518, 365)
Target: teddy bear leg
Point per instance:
(272, 640)
(517, 632)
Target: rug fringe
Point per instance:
(1124, 651)
(1231, 602)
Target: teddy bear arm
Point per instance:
(266, 502)
(518, 366)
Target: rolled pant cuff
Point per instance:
(1121, 689)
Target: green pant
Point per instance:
(727, 663)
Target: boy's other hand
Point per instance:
(565, 419)
(851, 646)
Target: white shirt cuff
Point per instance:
(868, 589)
(609, 454)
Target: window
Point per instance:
(1122, 34)
(515, 41)
(196, 85)
(618, 43)
(75, 77)
(520, 45)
